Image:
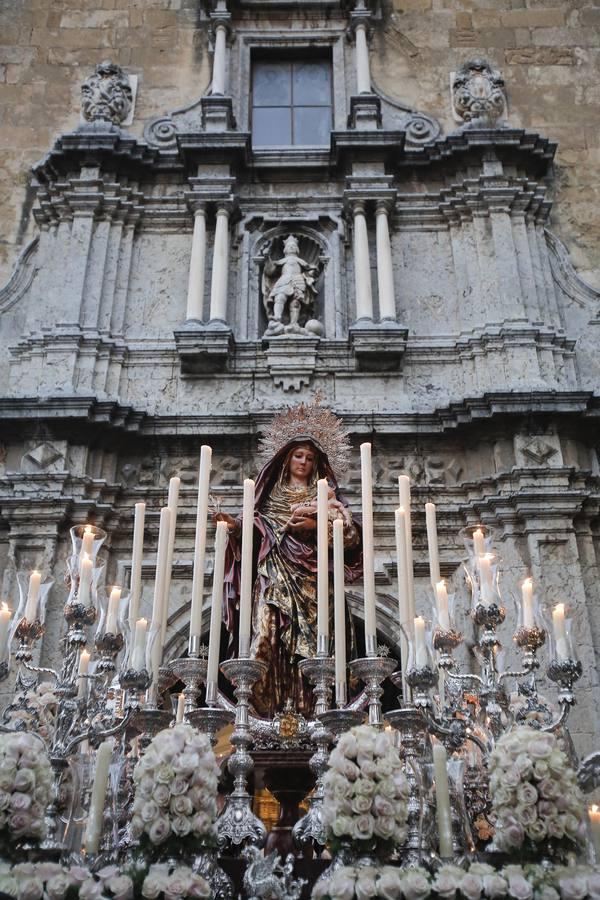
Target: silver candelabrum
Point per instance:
(237, 824)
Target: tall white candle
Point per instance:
(33, 592)
(84, 591)
(560, 632)
(200, 542)
(478, 542)
(180, 708)
(339, 613)
(368, 549)
(84, 664)
(112, 615)
(156, 650)
(137, 556)
(432, 543)
(322, 559)
(404, 492)
(216, 610)
(420, 646)
(441, 599)
(246, 573)
(138, 653)
(93, 831)
(5, 615)
(442, 801)
(486, 579)
(403, 590)
(527, 595)
(172, 504)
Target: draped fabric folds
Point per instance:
(284, 611)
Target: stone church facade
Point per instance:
(445, 321)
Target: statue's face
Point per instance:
(302, 462)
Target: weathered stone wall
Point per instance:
(548, 52)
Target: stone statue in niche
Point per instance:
(478, 97)
(289, 292)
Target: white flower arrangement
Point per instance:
(51, 881)
(164, 882)
(34, 710)
(478, 882)
(366, 791)
(537, 803)
(176, 788)
(25, 786)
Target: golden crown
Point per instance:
(313, 422)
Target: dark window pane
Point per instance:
(312, 125)
(312, 83)
(272, 126)
(272, 84)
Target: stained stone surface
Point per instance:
(485, 388)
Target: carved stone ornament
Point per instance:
(478, 97)
(289, 290)
(106, 95)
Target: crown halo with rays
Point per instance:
(315, 423)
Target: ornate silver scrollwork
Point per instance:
(267, 878)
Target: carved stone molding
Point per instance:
(291, 360)
(378, 348)
(20, 280)
(203, 349)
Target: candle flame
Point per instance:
(594, 808)
(560, 609)
(88, 529)
(4, 606)
(528, 581)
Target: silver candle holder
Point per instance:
(237, 824)
(373, 670)
(320, 671)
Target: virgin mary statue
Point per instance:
(302, 445)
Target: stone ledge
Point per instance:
(203, 348)
(378, 347)
(291, 360)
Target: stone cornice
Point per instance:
(113, 416)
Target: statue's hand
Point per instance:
(301, 523)
(225, 517)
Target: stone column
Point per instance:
(362, 264)
(363, 75)
(218, 287)
(195, 294)
(219, 78)
(385, 273)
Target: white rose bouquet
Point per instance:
(164, 882)
(537, 803)
(366, 792)
(451, 882)
(25, 787)
(175, 801)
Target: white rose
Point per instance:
(24, 780)
(447, 881)
(494, 886)
(360, 804)
(154, 884)
(149, 811)
(519, 887)
(199, 888)
(384, 827)
(389, 883)
(181, 806)
(159, 830)
(341, 886)
(363, 828)
(415, 885)
(573, 887)
(364, 887)
(471, 886)
(181, 825)
(161, 794)
(90, 890)
(121, 887)
(58, 885)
